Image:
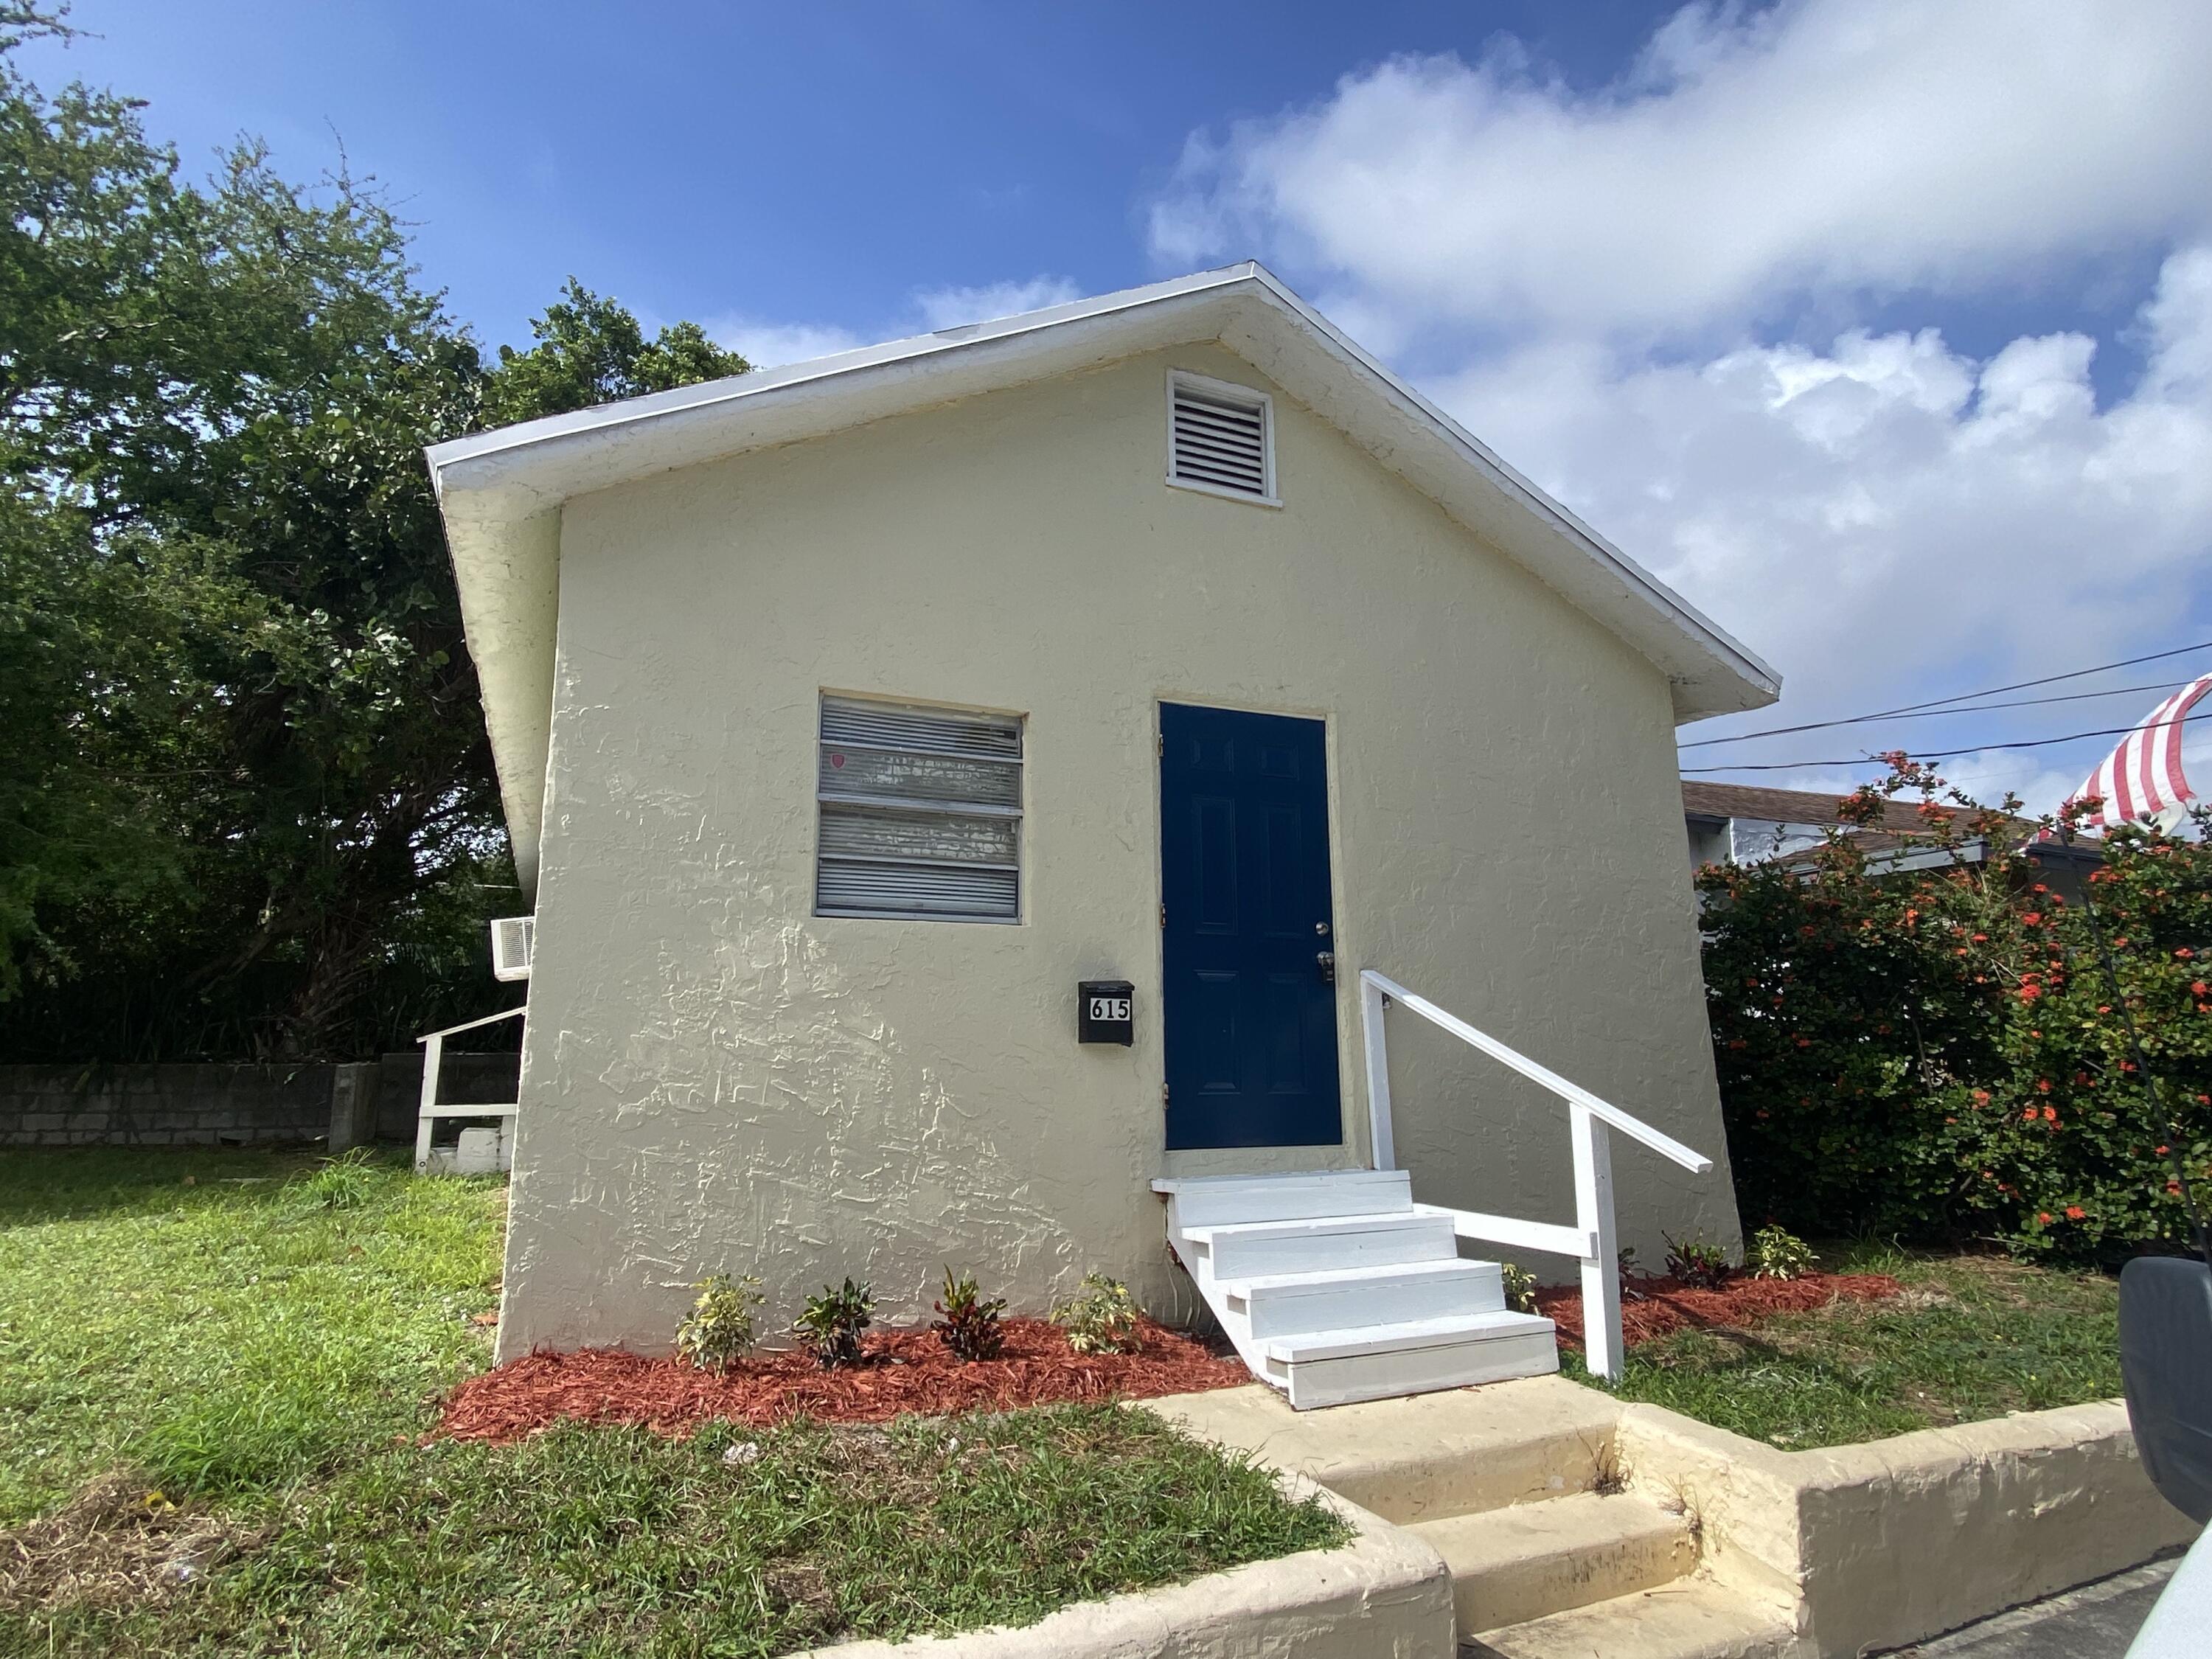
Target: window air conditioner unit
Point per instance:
(511, 937)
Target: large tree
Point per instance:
(246, 806)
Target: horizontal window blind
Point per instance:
(920, 812)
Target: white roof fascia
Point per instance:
(501, 492)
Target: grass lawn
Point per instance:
(211, 1400)
(1972, 1337)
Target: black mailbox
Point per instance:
(1105, 1011)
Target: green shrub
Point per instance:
(1520, 1285)
(1777, 1252)
(719, 1327)
(1937, 1053)
(832, 1323)
(1100, 1318)
(970, 1327)
(344, 1183)
(1695, 1263)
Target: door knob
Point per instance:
(1327, 962)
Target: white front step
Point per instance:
(1336, 1287)
(1279, 1304)
(1215, 1200)
(1242, 1249)
(1376, 1362)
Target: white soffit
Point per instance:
(501, 492)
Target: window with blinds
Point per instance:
(1220, 438)
(920, 812)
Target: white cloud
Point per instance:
(767, 345)
(949, 307)
(1889, 511)
(1823, 147)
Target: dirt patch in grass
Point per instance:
(907, 1372)
(1662, 1307)
(116, 1543)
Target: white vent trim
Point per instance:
(513, 940)
(919, 812)
(1221, 439)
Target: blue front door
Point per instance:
(1248, 941)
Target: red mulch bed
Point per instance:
(906, 1372)
(1667, 1307)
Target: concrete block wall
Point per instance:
(179, 1105)
(209, 1105)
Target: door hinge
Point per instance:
(1163, 915)
(1164, 1094)
(1159, 743)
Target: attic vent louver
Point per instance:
(1220, 438)
(920, 812)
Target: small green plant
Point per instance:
(1519, 1287)
(1101, 1318)
(719, 1327)
(1695, 1264)
(1777, 1252)
(341, 1183)
(970, 1327)
(832, 1323)
(1624, 1259)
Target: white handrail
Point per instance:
(471, 1025)
(1634, 1127)
(1593, 1240)
(434, 1057)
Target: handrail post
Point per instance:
(1601, 1334)
(433, 1049)
(1382, 1148)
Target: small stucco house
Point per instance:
(1146, 670)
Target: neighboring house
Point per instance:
(851, 716)
(1747, 823)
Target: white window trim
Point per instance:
(1018, 813)
(1231, 389)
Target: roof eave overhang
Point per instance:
(501, 492)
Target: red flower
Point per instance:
(2043, 1216)
(2050, 1114)
(2043, 1086)
(2033, 918)
(2183, 954)
(2074, 1213)
(2029, 993)
(2028, 1116)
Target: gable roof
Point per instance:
(501, 492)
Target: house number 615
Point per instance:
(1108, 1008)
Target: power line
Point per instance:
(1934, 713)
(1939, 704)
(1948, 754)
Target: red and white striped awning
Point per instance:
(2142, 777)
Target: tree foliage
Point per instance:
(246, 805)
(1920, 1037)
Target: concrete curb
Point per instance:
(1384, 1595)
(1892, 1542)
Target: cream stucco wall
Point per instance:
(716, 1079)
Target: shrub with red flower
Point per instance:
(1936, 1052)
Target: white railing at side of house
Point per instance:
(1592, 1239)
(434, 1055)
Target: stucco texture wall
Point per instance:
(714, 1078)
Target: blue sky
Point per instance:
(1884, 331)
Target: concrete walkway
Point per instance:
(2097, 1621)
